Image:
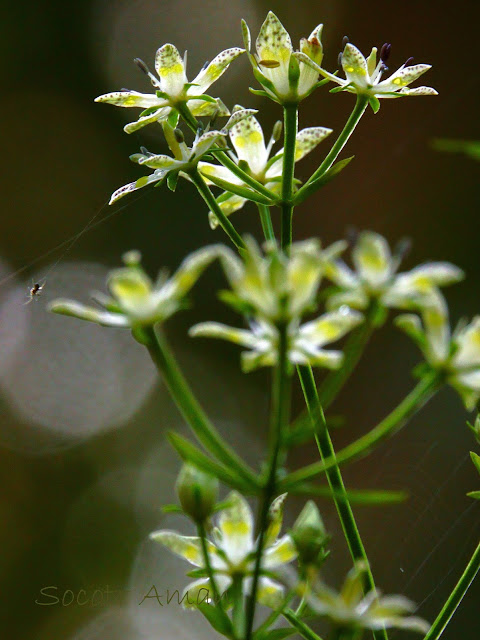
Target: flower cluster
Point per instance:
(232, 552)
(274, 290)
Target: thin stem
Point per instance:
(278, 422)
(206, 559)
(276, 613)
(290, 120)
(358, 111)
(189, 407)
(238, 613)
(266, 220)
(222, 219)
(390, 425)
(336, 379)
(456, 597)
(334, 477)
(303, 629)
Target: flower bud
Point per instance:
(309, 535)
(197, 492)
(277, 130)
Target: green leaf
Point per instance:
(197, 573)
(190, 453)
(474, 494)
(374, 102)
(311, 187)
(355, 496)
(217, 618)
(171, 508)
(203, 97)
(243, 192)
(476, 460)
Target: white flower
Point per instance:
(274, 286)
(173, 88)
(137, 301)
(364, 76)
(304, 343)
(232, 553)
(249, 143)
(457, 355)
(351, 609)
(375, 277)
(185, 158)
(285, 74)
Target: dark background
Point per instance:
(84, 467)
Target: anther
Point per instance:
(351, 235)
(345, 41)
(124, 89)
(403, 248)
(340, 56)
(207, 62)
(409, 61)
(385, 52)
(142, 66)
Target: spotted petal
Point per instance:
(131, 99)
(402, 78)
(418, 91)
(157, 116)
(306, 141)
(355, 65)
(274, 48)
(134, 186)
(214, 70)
(171, 71)
(201, 592)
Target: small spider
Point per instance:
(34, 291)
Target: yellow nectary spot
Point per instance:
(476, 337)
(175, 68)
(232, 528)
(253, 137)
(422, 282)
(350, 69)
(399, 82)
(329, 330)
(373, 261)
(191, 553)
(131, 101)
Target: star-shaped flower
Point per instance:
(173, 88)
(134, 299)
(232, 553)
(353, 610)
(286, 75)
(184, 158)
(249, 143)
(364, 76)
(304, 342)
(457, 355)
(375, 277)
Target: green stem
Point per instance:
(358, 111)
(290, 120)
(278, 423)
(456, 597)
(223, 221)
(336, 379)
(334, 477)
(206, 558)
(189, 407)
(364, 445)
(276, 613)
(238, 613)
(300, 626)
(266, 220)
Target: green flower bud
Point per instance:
(197, 492)
(309, 535)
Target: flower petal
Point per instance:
(214, 70)
(274, 46)
(372, 259)
(403, 77)
(131, 99)
(249, 143)
(200, 108)
(276, 518)
(269, 593)
(330, 326)
(187, 547)
(224, 332)
(355, 66)
(282, 552)
(157, 116)
(307, 140)
(418, 91)
(83, 312)
(159, 162)
(468, 346)
(437, 329)
(204, 142)
(134, 186)
(236, 526)
(171, 71)
(191, 269)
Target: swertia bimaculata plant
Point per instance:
(242, 561)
